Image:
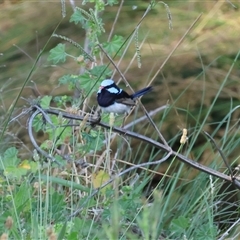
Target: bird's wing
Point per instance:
(124, 98)
(126, 101)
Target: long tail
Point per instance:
(142, 92)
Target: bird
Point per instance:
(113, 99)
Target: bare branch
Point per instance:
(93, 121)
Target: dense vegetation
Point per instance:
(66, 175)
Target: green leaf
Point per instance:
(14, 172)
(114, 45)
(87, 83)
(69, 80)
(100, 6)
(10, 153)
(56, 136)
(180, 224)
(112, 2)
(206, 232)
(101, 72)
(10, 158)
(73, 235)
(45, 102)
(77, 17)
(21, 197)
(94, 140)
(34, 166)
(38, 123)
(62, 100)
(58, 54)
(86, 229)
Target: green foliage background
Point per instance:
(200, 82)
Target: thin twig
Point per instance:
(25, 53)
(220, 152)
(136, 121)
(115, 20)
(23, 113)
(228, 230)
(148, 140)
(231, 3)
(151, 113)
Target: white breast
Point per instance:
(118, 108)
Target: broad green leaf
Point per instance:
(101, 72)
(10, 153)
(77, 17)
(114, 45)
(38, 123)
(73, 235)
(206, 231)
(87, 83)
(10, 158)
(180, 224)
(69, 80)
(45, 101)
(94, 140)
(22, 197)
(58, 54)
(14, 172)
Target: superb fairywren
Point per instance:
(113, 99)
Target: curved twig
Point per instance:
(36, 110)
(30, 133)
(154, 143)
